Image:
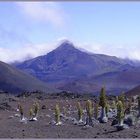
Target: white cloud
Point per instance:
(49, 12)
(22, 53)
(122, 51)
(33, 50)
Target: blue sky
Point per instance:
(29, 29)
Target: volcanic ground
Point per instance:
(11, 127)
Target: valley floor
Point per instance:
(11, 127)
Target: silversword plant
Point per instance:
(34, 112)
(139, 106)
(103, 102)
(107, 107)
(22, 118)
(31, 114)
(96, 110)
(122, 98)
(89, 110)
(57, 115)
(120, 115)
(21, 111)
(80, 112)
(113, 105)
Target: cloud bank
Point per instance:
(20, 54)
(33, 50)
(122, 51)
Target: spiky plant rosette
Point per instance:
(122, 99)
(22, 118)
(34, 111)
(107, 107)
(103, 102)
(120, 116)
(80, 112)
(139, 107)
(89, 110)
(96, 110)
(102, 98)
(57, 115)
(31, 113)
(113, 105)
(36, 108)
(21, 110)
(120, 112)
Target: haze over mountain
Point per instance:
(15, 81)
(68, 68)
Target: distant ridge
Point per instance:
(15, 81)
(68, 68)
(134, 91)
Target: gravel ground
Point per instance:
(11, 127)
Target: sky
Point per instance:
(30, 29)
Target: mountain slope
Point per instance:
(15, 81)
(68, 68)
(134, 91)
(115, 82)
(67, 62)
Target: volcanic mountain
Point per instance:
(134, 91)
(15, 81)
(69, 68)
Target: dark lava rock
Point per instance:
(43, 107)
(119, 128)
(114, 122)
(12, 100)
(129, 121)
(103, 120)
(5, 106)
